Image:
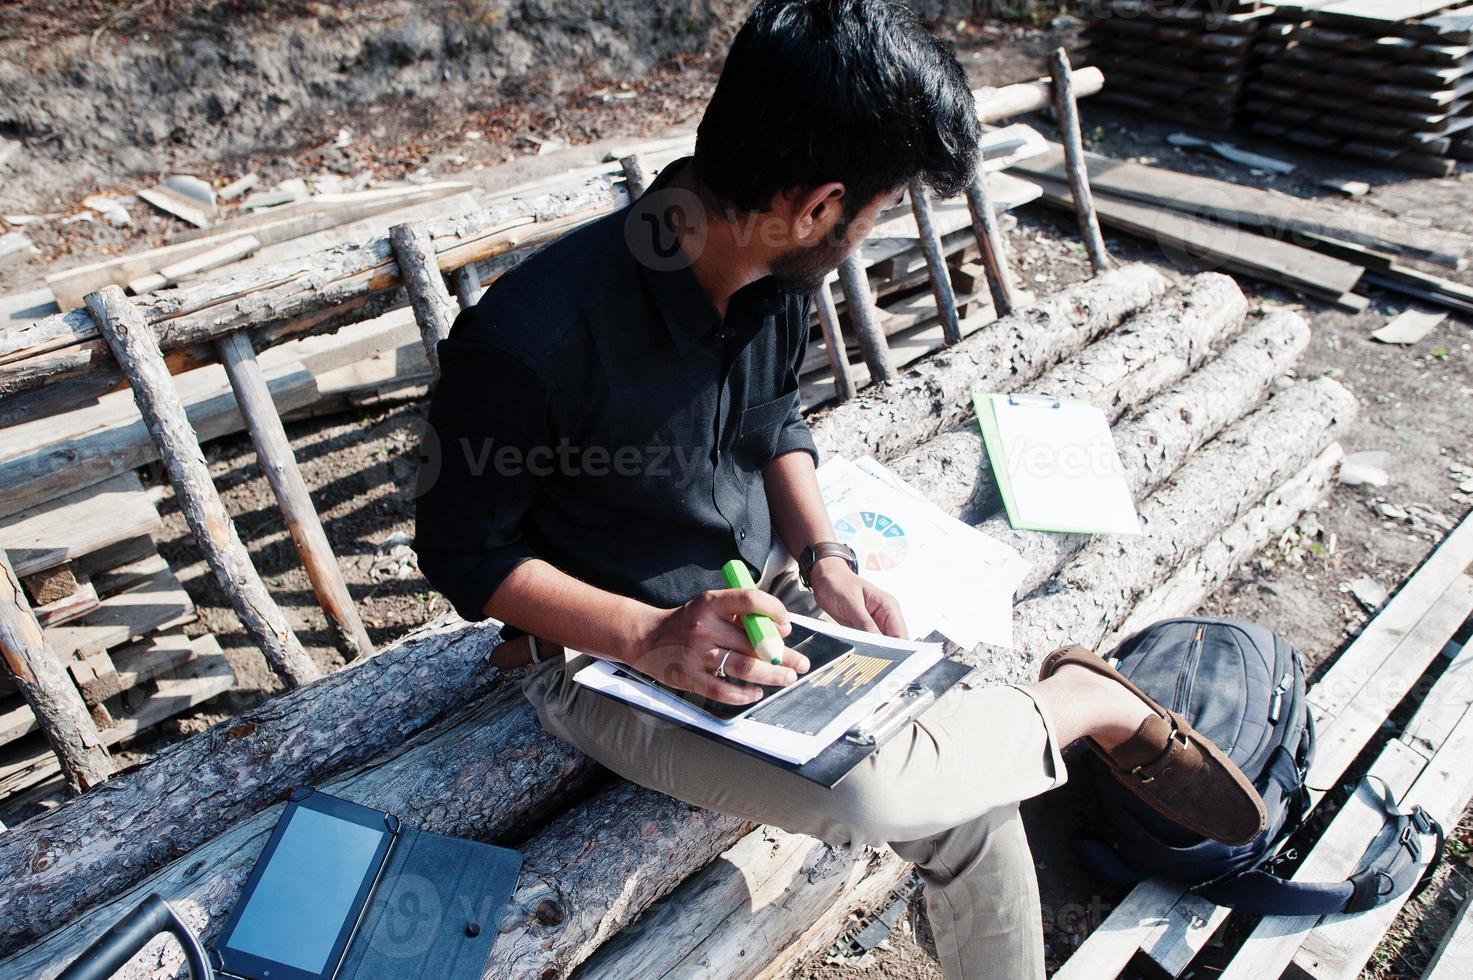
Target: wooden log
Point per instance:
(920, 203)
(884, 421)
(136, 351)
(636, 174)
(865, 317)
(434, 311)
(47, 689)
(310, 294)
(468, 285)
(279, 463)
(1015, 100)
(833, 341)
(1149, 352)
(994, 247)
(1066, 110)
(63, 862)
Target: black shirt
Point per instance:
(594, 410)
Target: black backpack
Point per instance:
(1243, 686)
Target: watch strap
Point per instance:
(815, 553)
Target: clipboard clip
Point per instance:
(1037, 401)
(891, 716)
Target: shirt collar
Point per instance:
(687, 311)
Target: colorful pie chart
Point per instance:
(878, 541)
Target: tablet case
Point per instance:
(436, 911)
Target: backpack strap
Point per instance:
(1391, 866)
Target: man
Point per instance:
(618, 417)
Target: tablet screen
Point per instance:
(307, 890)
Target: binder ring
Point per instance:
(1052, 400)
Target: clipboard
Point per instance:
(840, 758)
(1056, 464)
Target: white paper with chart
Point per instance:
(947, 575)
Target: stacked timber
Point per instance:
(111, 611)
(452, 746)
(1184, 59)
(1388, 80)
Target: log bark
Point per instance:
(279, 463)
(1148, 352)
(1066, 110)
(920, 203)
(737, 938)
(61, 863)
(434, 310)
(636, 174)
(132, 342)
(833, 342)
(935, 394)
(865, 317)
(46, 688)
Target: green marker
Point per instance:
(761, 631)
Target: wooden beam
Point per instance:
(865, 317)
(137, 352)
(920, 203)
(994, 248)
(434, 311)
(1066, 108)
(279, 463)
(48, 690)
(468, 284)
(833, 341)
(635, 173)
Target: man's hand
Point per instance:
(682, 648)
(852, 601)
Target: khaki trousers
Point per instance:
(943, 793)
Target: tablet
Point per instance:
(306, 895)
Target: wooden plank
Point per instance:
(207, 675)
(126, 617)
(1453, 959)
(132, 665)
(1252, 208)
(68, 608)
(78, 523)
(1184, 237)
(1410, 326)
(1340, 945)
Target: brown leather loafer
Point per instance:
(1172, 768)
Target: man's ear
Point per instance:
(814, 211)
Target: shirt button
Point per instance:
(742, 534)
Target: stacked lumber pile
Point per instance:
(1321, 252)
(1219, 467)
(1183, 59)
(1389, 80)
(112, 611)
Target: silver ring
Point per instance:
(721, 667)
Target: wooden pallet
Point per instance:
(1350, 701)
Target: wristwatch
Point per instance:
(824, 549)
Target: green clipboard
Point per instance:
(984, 403)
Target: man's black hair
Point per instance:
(858, 91)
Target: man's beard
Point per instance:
(803, 270)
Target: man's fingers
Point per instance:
(730, 603)
(748, 668)
(708, 685)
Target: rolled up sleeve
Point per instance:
(487, 412)
(795, 434)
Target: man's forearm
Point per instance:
(795, 502)
(553, 605)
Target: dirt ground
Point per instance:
(1416, 405)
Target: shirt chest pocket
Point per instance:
(757, 434)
